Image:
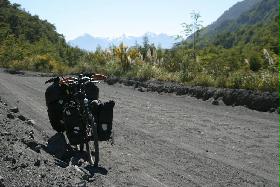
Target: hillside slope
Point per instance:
(258, 25)
(231, 14)
(30, 43)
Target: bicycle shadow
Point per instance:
(57, 146)
(94, 170)
(65, 155)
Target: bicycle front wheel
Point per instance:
(96, 146)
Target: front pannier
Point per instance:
(92, 91)
(75, 130)
(105, 120)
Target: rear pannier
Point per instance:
(54, 96)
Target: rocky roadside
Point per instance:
(27, 73)
(27, 160)
(256, 100)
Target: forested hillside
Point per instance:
(30, 43)
(231, 14)
(258, 26)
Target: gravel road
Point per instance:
(168, 140)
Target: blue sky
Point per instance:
(112, 18)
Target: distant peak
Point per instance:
(89, 42)
(86, 35)
(150, 34)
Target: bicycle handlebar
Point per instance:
(93, 78)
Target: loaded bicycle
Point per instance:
(74, 106)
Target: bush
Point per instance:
(235, 80)
(185, 76)
(19, 65)
(221, 82)
(60, 68)
(251, 81)
(269, 81)
(203, 80)
(146, 71)
(113, 68)
(162, 74)
(43, 63)
(255, 62)
(132, 72)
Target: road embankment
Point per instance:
(256, 100)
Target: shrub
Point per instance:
(132, 72)
(41, 63)
(146, 71)
(113, 68)
(19, 65)
(235, 80)
(83, 67)
(255, 62)
(162, 74)
(221, 82)
(268, 81)
(186, 76)
(251, 81)
(203, 80)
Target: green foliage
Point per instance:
(268, 81)
(145, 47)
(114, 68)
(147, 71)
(24, 38)
(236, 79)
(193, 30)
(263, 80)
(203, 80)
(255, 62)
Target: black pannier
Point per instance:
(75, 130)
(105, 120)
(55, 116)
(54, 96)
(92, 91)
(53, 93)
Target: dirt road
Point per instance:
(168, 140)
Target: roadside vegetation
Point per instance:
(243, 54)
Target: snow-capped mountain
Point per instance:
(90, 43)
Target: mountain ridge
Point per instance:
(232, 13)
(90, 43)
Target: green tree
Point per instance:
(193, 29)
(146, 46)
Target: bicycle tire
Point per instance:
(96, 145)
